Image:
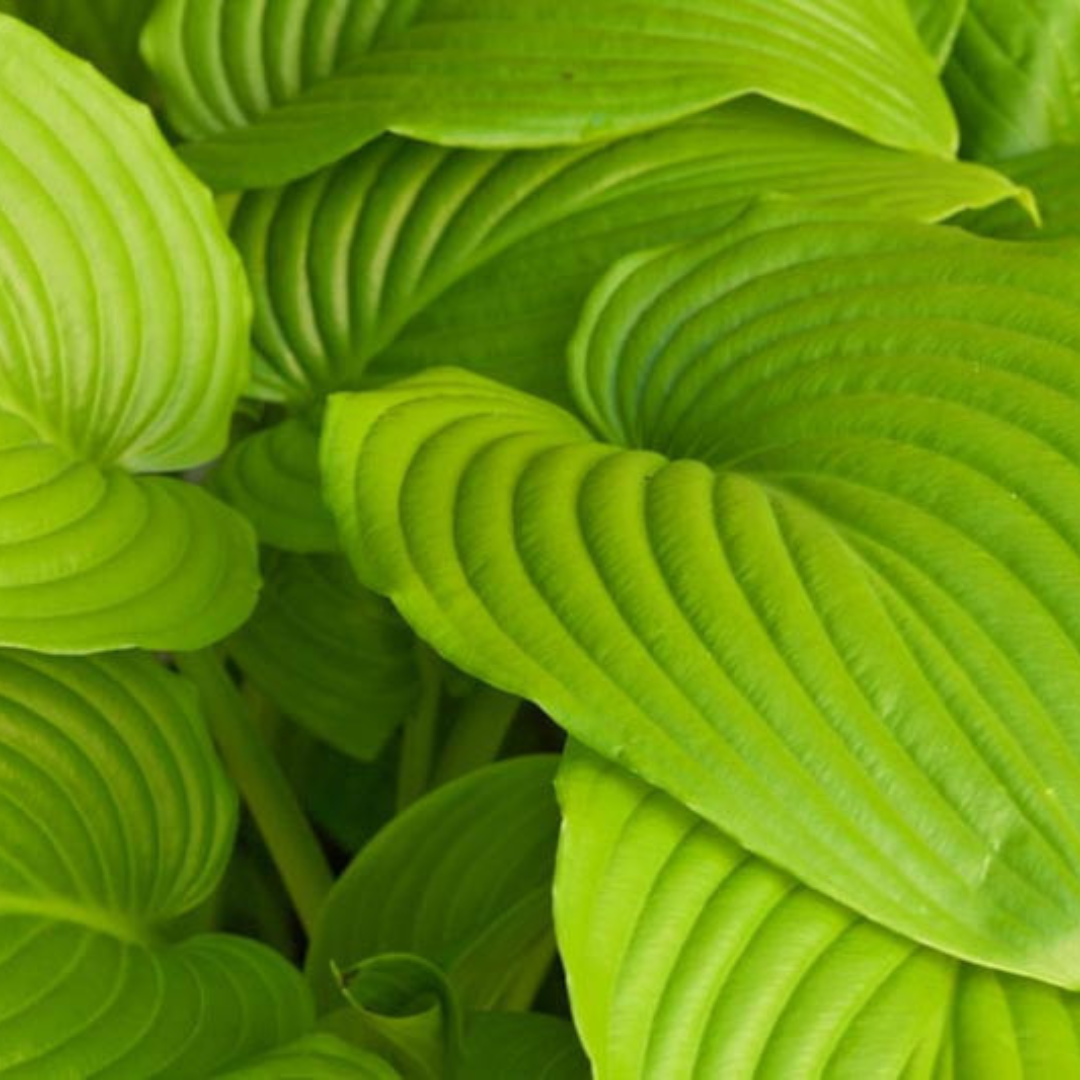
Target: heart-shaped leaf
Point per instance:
(334, 656)
(273, 91)
(1013, 76)
(115, 819)
(836, 619)
(123, 322)
(463, 879)
(688, 958)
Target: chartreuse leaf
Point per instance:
(123, 320)
(461, 879)
(115, 818)
(333, 656)
(688, 958)
(406, 251)
(272, 91)
(829, 607)
(315, 1056)
(938, 22)
(105, 32)
(1013, 76)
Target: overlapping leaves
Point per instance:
(268, 92)
(687, 957)
(123, 317)
(115, 819)
(822, 616)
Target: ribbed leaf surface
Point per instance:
(1014, 76)
(114, 819)
(483, 259)
(835, 618)
(463, 879)
(689, 959)
(273, 91)
(123, 318)
(272, 478)
(336, 658)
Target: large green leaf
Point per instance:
(332, 655)
(1014, 76)
(833, 614)
(106, 32)
(404, 252)
(463, 879)
(273, 91)
(525, 1046)
(123, 322)
(115, 818)
(689, 959)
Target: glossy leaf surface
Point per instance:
(272, 91)
(820, 607)
(123, 317)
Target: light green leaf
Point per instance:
(1014, 75)
(1053, 176)
(272, 478)
(115, 819)
(333, 656)
(525, 1046)
(938, 22)
(123, 320)
(463, 879)
(273, 91)
(315, 1057)
(484, 259)
(832, 614)
(689, 959)
(106, 32)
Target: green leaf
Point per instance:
(829, 607)
(321, 1056)
(106, 32)
(938, 22)
(687, 957)
(1014, 75)
(115, 819)
(403, 1007)
(1051, 175)
(123, 323)
(525, 1046)
(462, 879)
(272, 478)
(404, 252)
(335, 657)
(271, 92)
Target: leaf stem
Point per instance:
(292, 844)
(479, 727)
(419, 733)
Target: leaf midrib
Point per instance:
(123, 926)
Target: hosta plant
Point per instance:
(539, 539)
